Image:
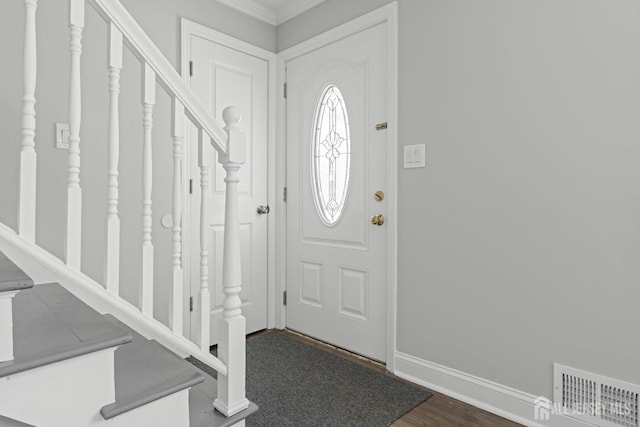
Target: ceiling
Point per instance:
(275, 12)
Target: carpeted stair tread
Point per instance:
(51, 325)
(12, 278)
(9, 422)
(201, 395)
(146, 371)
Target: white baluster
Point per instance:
(74, 192)
(6, 325)
(175, 309)
(231, 348)
(27, 207)
(148, 101)
(205, 297)
(112, 270)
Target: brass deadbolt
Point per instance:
(379, 196)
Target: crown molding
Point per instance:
(252, 8)
(294, 9)
(273, 17)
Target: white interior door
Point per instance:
(224, 76)
(336, 162)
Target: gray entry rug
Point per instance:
(297, 384)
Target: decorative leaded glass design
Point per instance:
(331, 153)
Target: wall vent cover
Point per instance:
(594, 398)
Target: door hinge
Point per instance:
(284, 91)
(284, 298)
(191, 186)
(284, 194)
(190, 68)
(190, 303)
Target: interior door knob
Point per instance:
(377, 219)
(262, 210)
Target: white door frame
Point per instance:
(187, 29)
(388, 14)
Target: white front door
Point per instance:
(336, 162)
(224, 76)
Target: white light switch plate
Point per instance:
(414, 156)
(62, 136)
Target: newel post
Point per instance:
(231, 348)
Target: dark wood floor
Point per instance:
(441, 410)
(438, 411)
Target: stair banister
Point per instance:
(232, 347)
(156, 68)
(230, 146)
(148, 52)
(27, 198)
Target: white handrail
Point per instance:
(149, 53)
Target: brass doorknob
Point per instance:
(377, 219)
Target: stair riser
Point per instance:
(6, 326)
(64, 394)
(170, 411)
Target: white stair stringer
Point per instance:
(68, 393)
(94, 295)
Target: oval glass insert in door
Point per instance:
(331, 154)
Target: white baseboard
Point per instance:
(498, 399)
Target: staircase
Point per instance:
(73, 352)
(80, 368)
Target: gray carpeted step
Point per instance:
(51, 325)
(133, 358)
(12, 278)
(8, 422)
(146, 371)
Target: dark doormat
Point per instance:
(298, 384)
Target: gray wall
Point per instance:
(160, 18)
(519, 242)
